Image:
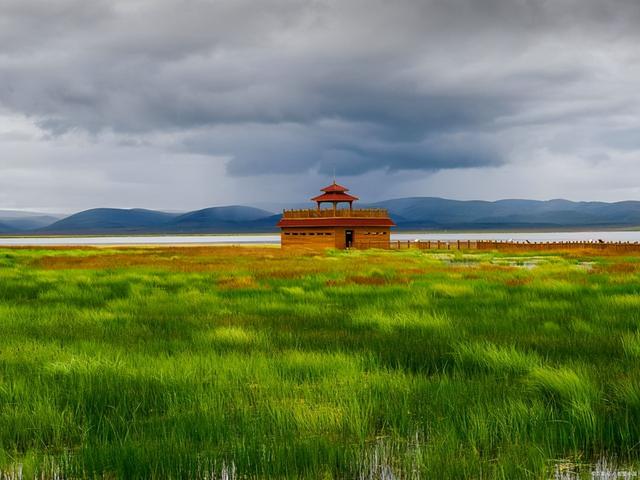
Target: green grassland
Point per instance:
(200, 362)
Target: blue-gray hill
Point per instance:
(29, 222)
(110, 220)
(17, 220)
(4, 228)
(233, 218)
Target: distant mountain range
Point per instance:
(415, 213)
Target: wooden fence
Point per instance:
(417, 244)
(622, 247)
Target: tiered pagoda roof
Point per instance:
(335, 193)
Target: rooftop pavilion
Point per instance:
(333, 227)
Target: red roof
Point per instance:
(334, 187)
(336, 222)
(334, 197)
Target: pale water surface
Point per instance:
(274, 239)
(617, 236)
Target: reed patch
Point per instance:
(247, 362)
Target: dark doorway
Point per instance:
(348, 238)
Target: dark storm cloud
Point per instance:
(292, 86)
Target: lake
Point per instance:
(240, 239)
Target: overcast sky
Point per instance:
(181, 104)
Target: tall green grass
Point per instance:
(255, 363)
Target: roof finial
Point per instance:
(334, 175)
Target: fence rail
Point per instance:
(496, 245)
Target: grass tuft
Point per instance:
(631, 345)
(488, 357)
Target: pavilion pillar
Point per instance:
(334, 208)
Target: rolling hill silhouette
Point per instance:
(4, 228)
(109, 220)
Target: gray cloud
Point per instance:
(284, 86)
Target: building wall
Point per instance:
(331, 237)
(308, 237)
(377, 234)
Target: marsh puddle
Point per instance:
(602, 470)
(527, 263)
(530, 263)
(587, 266)
(456, 261)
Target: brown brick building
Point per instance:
(335, 227)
